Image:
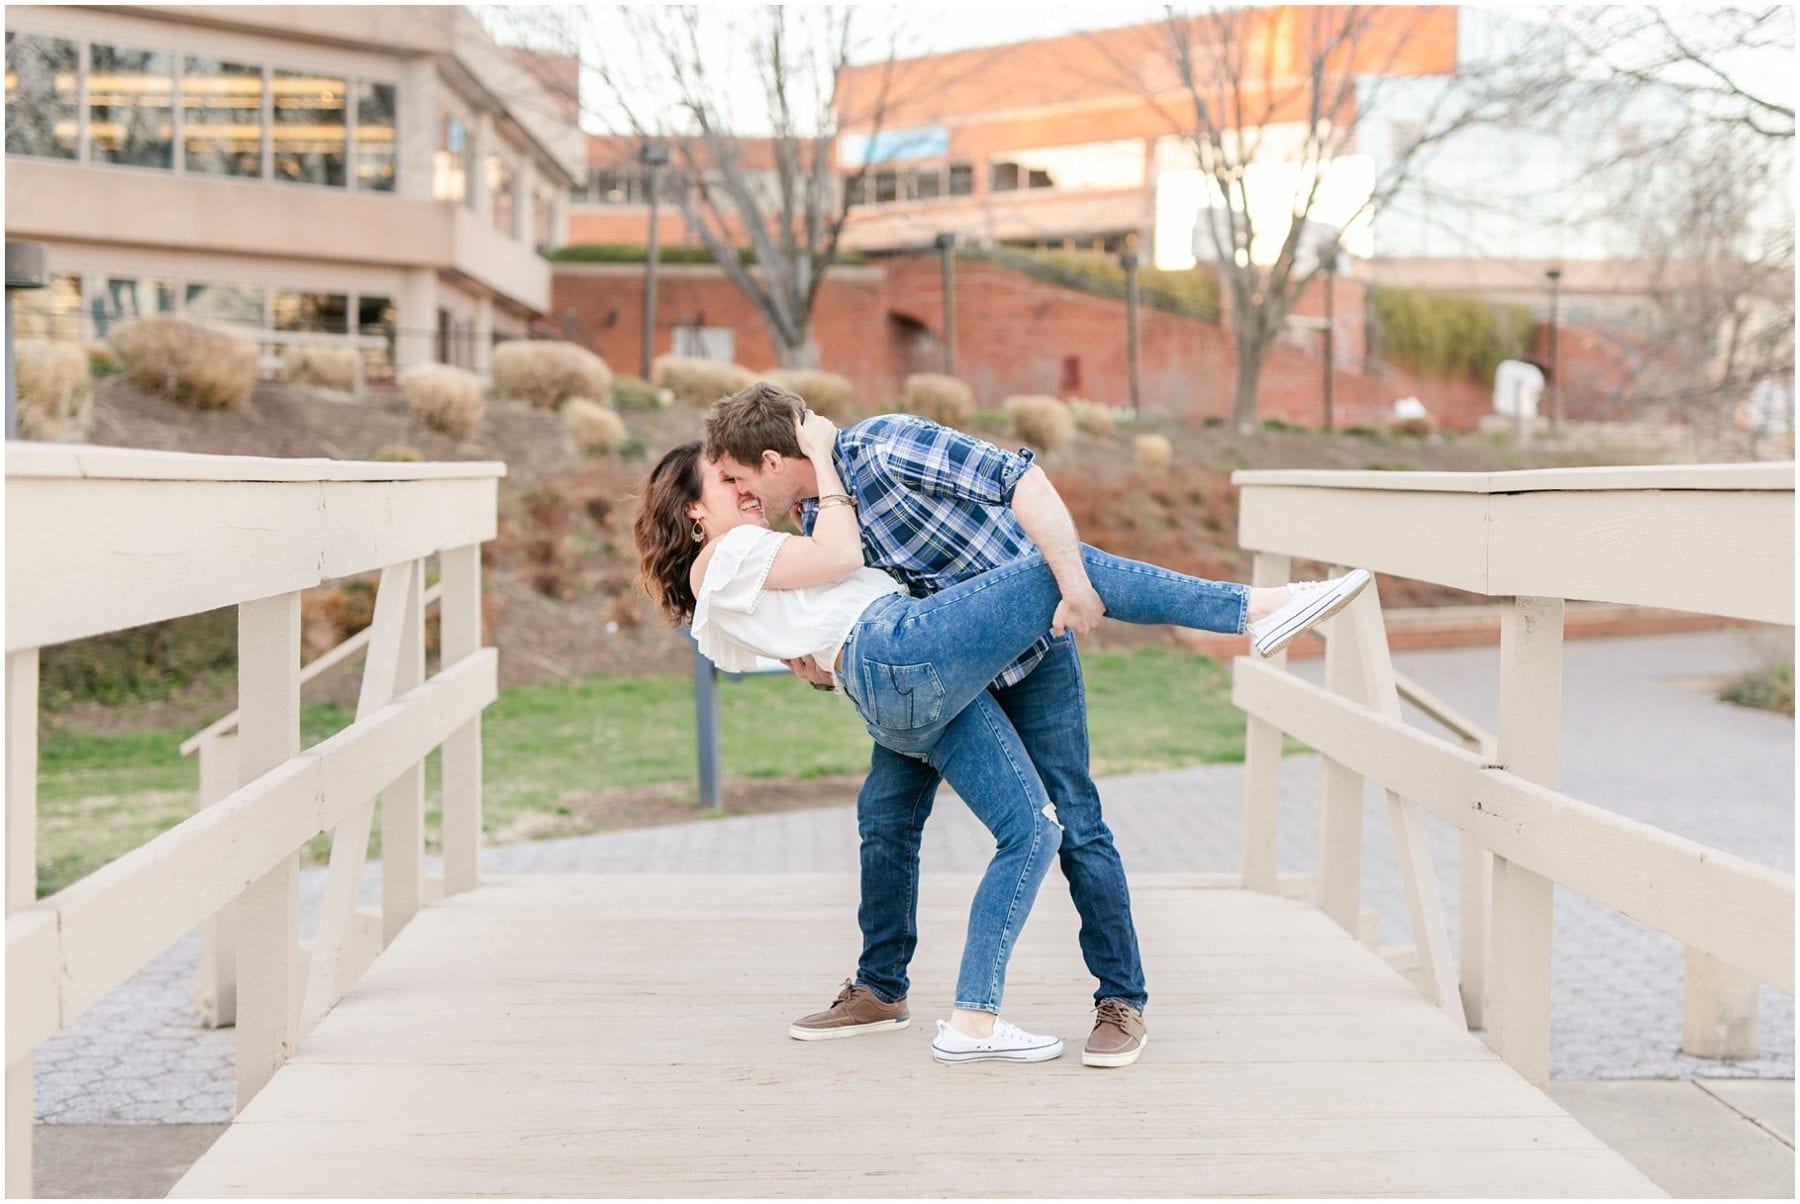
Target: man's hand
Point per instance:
(1080, 613)
(807, 670)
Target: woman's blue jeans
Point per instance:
(918, 670)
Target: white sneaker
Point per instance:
(1312, 602)
(1008, 1043)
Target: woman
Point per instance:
(917, 669)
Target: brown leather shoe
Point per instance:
(854, 1012)
(1118, 1037)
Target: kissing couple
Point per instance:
(938, 585)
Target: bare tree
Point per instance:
(749, 103)
(1271, 101)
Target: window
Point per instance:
(310, 136)
(41, 114)
(231, 304)
(887, 187)
(1003, 177)
(450, 164)
(543, 219)
(326, 312)
(130, 106)
(375, 154)
(705, 343)
(610, 186)
(222, 121)
(500, 196)
(53, 312)
(122, 298)
(928, 184)
(962, 179)
(375, 315)
(856, 190)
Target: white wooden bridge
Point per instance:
(625, 1036)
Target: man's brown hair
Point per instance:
(752, 421)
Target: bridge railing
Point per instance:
(103, 539)
(1712, 539)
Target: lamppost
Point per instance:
(1330, 265)
(1554, 275)
(1129, 261)
(946, 245)
(654, 156)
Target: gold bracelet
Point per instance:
(836, 499)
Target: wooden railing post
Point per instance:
(403, 803)
(1341, 799)
(215, 983)
(1718, 1008)
(1262, 762)
(1518, 1001)
(269, 909)
(459, 636)
(21, 888)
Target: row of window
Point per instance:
(880, 186)
(101, 103)
(76, 310)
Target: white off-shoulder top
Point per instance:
(739, 624)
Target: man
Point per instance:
(936, 507)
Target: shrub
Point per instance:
(596, 430)
(1368, 432)
(55, 393)
(545, 373)
(1769, 689)
(1277, 424)
(443, 398)
(1154, 451)
(404, 455)
(697, 382)
(200, 367)
(636, 393)
(327, 367)
(943, 399)
(826, 392)
(101, 362)
(1448, 334)
(1093, 418)
(1414, 428)
(1042, 421)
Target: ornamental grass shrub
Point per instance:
(327, 367)
(446, 399)
(636, 393)
(1040, 420)
(545, 373)
(1094, 419)
(1154, 451)
(1447, 334)
(596, 430)
(56, 394)
(697, 382)
(192, 365)
(826, 392)
(943, 399)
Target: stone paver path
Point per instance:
(1639, 737)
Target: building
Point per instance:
(337, 170)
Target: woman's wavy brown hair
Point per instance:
(665, 534)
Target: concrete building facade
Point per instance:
(326, 169)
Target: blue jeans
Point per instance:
(919, 670)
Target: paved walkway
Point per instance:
(1638, 737)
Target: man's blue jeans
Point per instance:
(1017, 755)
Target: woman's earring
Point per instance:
(699, 535)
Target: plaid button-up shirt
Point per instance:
(935, 507)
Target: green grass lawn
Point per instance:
(101, 795)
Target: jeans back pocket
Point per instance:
(902, 697)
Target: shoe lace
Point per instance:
(1115, 1012)
(844, 993)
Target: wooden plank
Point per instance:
(1740, 912)
(1777, 477)
(403, 802)
(1341, 796)
(1477, 887)
(459, 636)
(215, 981)
(577, 1066)
(1387, 532)
(1718, 1010)
(122, 552)
(21, 778)
(1262, 761)
(328, 977)
(269, 909)
(27, 460)
(33, 974)
(1522, 912)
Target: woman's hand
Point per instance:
(817, 435)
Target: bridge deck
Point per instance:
(625, 1036)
